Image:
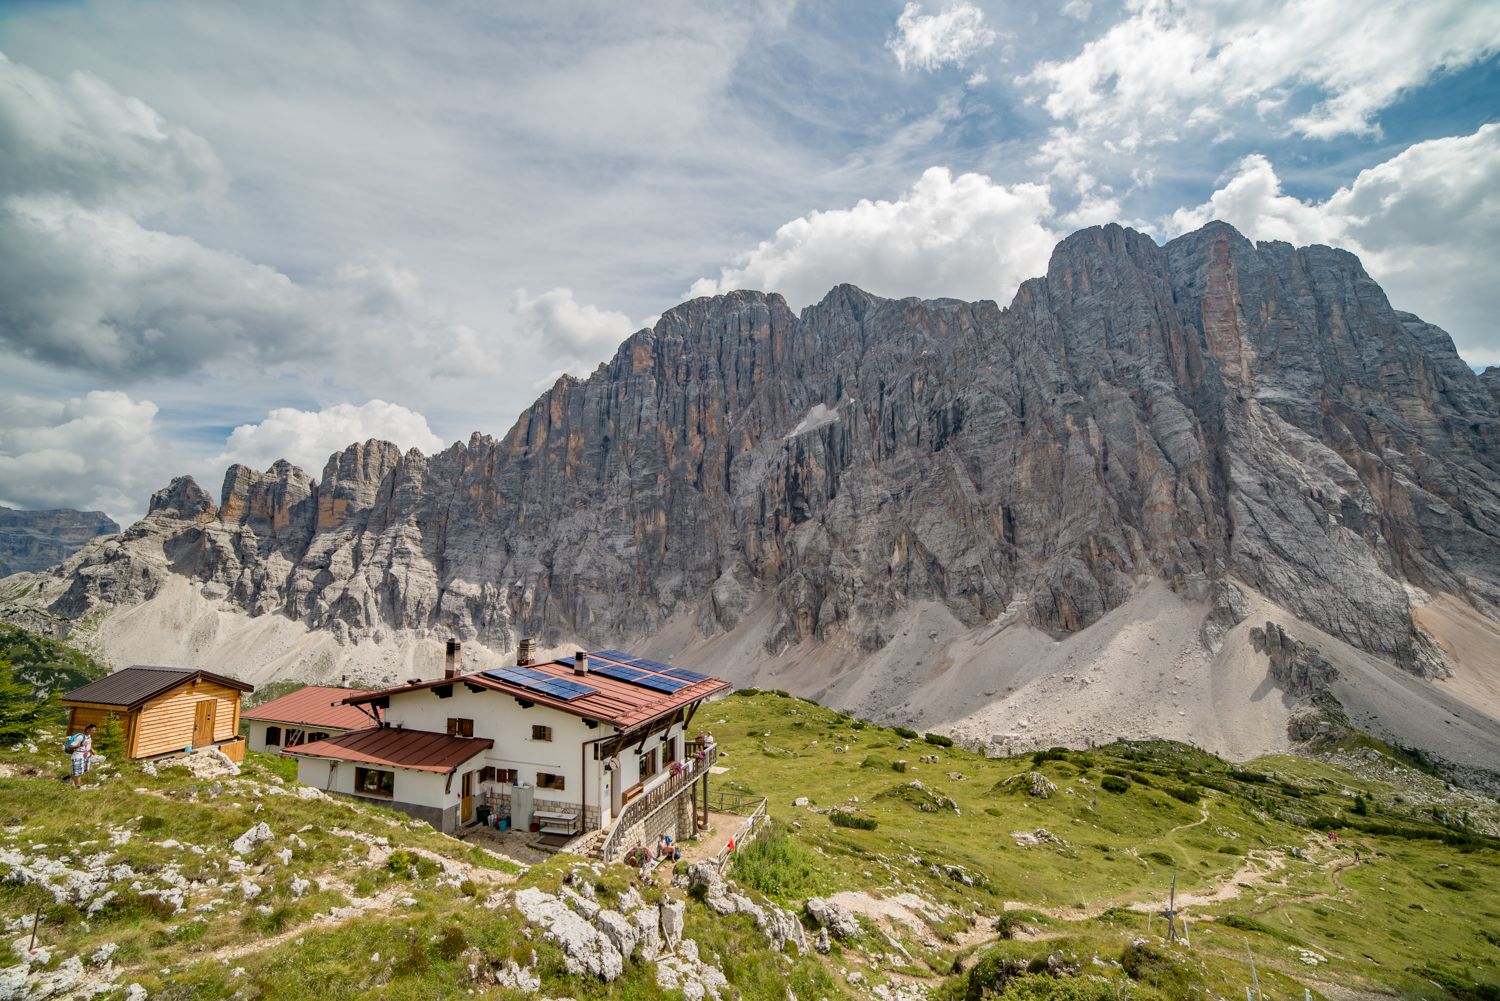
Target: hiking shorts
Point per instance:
(80, 764)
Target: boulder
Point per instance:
(833, 917)
(671, 922)
(246, 842)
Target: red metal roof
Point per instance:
(617, 703)
(418, 750)
(312, 706)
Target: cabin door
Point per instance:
(203, 722)
(466, 799)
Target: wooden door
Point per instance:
(466, 799)
(203, 722)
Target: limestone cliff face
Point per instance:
(1207, 410)
(35, 540)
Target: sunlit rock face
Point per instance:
(1208, 410)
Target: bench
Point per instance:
(556, 823)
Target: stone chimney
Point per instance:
(580, 663)
(526, 653)
(452, 668)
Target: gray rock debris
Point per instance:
(585, 948)
(246, 842)
(672, 912)
(833, 917)
(619, 929)
(1296, 666)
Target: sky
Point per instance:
(240, 232)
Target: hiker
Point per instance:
(665, 849)
(80, 748)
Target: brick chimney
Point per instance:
(580, 663)
(526, 653)
(452, 668)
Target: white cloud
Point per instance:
(1078, 10)
(1170, 73)
(565, 328)
(307, 438)
(100, 452)
(1419, 222)
(929, 41)
(963, 237)
(86, 284)
(1169, 64)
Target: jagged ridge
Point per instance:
(1205, 410)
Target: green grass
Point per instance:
(1414, 910)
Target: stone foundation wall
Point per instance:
(442, 820)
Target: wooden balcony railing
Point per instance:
(645, 805)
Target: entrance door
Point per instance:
(614, 794)
(466, 799)
(203, 722)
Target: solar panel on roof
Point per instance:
(651, 665)
(558, 688)
(614, 655)
(563, 689)
(683, 674)
(565, 660)
(620, 672)
(660, 683)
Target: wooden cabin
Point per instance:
(164, 709)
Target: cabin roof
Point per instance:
(133, 687)
(617, 703)
(418, 750)
(315, 705)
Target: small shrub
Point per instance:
(1010, 922)
(1453, 884)
(1360, 807)
(1250, 924)
(469, 888)
(409, 865)
(1146, 965)
(1231, 850)
(750, 692)
(451, 943)
(776, 864)
(994, 811)
(938, 739)
(1244, 776)
(1325, 823)
(1160, 858)
(841, 819)
(904, 732)
(1052, 755)
(1113, 783)
(780, 694)
(1138, 779)
(875, 761)
(1183, 794)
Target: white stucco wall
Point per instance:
(499, 716)
(257, 738)
(415, 787)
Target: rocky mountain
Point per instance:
(1241, 424)
(36, 540)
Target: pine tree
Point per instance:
(110, 740)
(21, 715)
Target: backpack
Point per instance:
(69, 744)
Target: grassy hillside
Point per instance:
(967, 881)
(47, 665)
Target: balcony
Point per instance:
(648, 803)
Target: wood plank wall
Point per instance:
(166, 724)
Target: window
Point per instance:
(670, 754)
(293, 737)
(541, 732)
(545, 780)
(507, 776)
(460, 727)
(648, 764)
(487, 774)
(370, 782)
(316, 735)
(273, 736)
